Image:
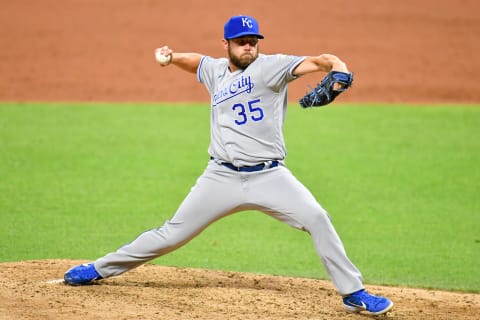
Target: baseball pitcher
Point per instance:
(246, 169)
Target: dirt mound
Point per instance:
(35, 290)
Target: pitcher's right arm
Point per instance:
(186, 61)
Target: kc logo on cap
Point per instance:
(239, 26)
(246, 21)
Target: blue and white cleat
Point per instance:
(363, 301)
(81, 275)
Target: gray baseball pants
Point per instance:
(220, 191)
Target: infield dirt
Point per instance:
(33, 290)
(85, 50)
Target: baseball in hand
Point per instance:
(161, 58)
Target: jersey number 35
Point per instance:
(252, 112)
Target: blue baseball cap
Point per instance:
(239, 26)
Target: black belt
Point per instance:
(257, 167)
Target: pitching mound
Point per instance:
(35, 290)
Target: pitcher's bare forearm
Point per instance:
(186, 61)
(323, 62)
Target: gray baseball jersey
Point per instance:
(248, 110)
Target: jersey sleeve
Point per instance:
(201, 70)
(207, 70)
(278, 69)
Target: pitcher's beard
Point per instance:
(243, 61)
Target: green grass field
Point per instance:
(401, 183)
